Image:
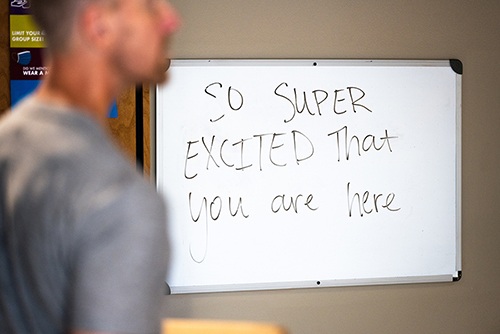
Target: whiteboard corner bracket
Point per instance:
(457, 66)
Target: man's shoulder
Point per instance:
(48, 127)
(69, 151)
(61, 133)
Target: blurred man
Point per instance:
(83, 245)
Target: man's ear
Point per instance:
(97, 26)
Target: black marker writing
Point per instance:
(234, 98)
(229, 99)
(211, 211)
(368, 142)
(366, 204)
(188, 157)
(343, 101)
(212, 95)
(209, 151)
(205, 230)
(242, 166)
(354, 102)
(247, 153)
(311, 146)
(278, 203)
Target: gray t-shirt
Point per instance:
(82, 235)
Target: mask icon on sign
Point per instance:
(24, 57)
(21, 3)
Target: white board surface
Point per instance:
(310, 173)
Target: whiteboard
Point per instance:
(310, 173)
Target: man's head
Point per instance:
(56, 18)
(131, 35)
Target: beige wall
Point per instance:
(416, 29)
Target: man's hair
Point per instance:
(56, 18)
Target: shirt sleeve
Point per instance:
(120, 264)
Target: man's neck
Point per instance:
(79, 82)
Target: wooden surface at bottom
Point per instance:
(194, 326)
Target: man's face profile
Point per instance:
(141, 49)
